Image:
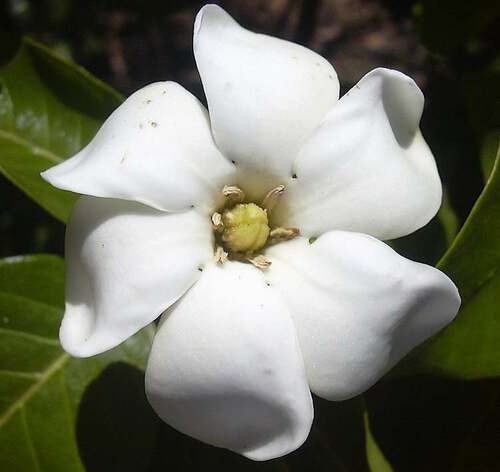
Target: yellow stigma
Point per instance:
(246, 228)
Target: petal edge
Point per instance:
(367, 167)
(358, 306)
(226, 368)
(119, 276)
(156, 149)
(265, 96)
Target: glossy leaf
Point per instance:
(374, 456)
(469, 348)
(48, 419)
(46, 117)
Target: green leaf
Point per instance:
(488, 152)
(52, 406)
(46, 117)
(374, 456)
(469, 348)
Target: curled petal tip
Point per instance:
(207, 13)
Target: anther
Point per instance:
(283, 234)
(220, 255)
(217, 223)
(260, 261)
(272, 198)
(233, 193)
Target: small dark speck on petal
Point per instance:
(148, 102)
(154, 124)
(140, 125)
(330, 76)
(268, 284)
(200, 269)
(164, 92)
(358, 87)
(234, 162)
(294, 176)
(122, 160)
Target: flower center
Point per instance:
(242, 228)
(246, 228)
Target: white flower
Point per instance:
(239, 349)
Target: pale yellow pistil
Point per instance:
(246, 228)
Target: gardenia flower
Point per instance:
(255, 229)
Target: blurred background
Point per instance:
(450, 47)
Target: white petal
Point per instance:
(125, 264)
(265, 95)
(156, 148)
(358, 306)
(367, 168)
(225, 366)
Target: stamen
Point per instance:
(220, 255)
(217, 223)
(260, 261)
(283, 234)
(272, 198)
(233, 193)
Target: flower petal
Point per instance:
(125, 264)
(367, 168)
(156, 149)
(358, 306)
(265, 95)
(225, 366)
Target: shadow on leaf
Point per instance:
(336, 444)
(116, 428)
(118, 431)
(433, 424)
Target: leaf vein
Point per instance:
(30, 336)
(49, 155)
(26, 396)
(16, 373)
